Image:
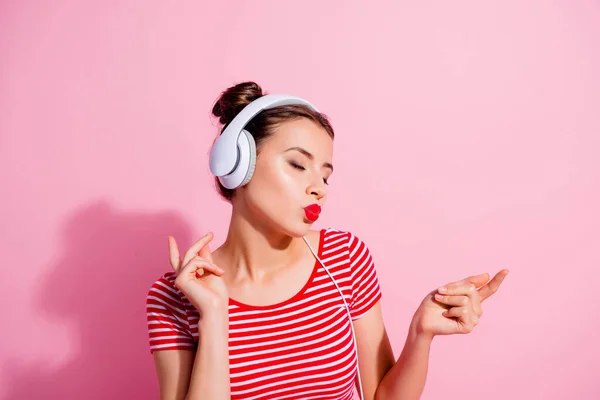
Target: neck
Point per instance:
(254, 251)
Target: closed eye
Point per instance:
(301, 168)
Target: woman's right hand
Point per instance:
(198, 278)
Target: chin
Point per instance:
(298, 229)
(292, 224)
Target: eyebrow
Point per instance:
(309, 155)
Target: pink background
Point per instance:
(470, 131)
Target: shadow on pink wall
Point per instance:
(98, 285)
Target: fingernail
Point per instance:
(442, 289)
(439, 296)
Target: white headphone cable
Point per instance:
(347, 312)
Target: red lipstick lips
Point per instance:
(312, 212)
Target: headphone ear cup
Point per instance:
(252, 157)
(245, 164)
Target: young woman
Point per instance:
(263, 316)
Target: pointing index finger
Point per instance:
(205, 253)
(197, 247)
(493, 285)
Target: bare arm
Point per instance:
(181, 374)
(406, 380)
(452, 309)
(381, 376)
(375, 355)
(174, 369)
(210, 375)
(185, 374)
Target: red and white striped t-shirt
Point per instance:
(301, 348)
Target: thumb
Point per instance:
(479, 280)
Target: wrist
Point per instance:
(417, 334)
(419, 338)
(216, 321)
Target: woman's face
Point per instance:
(292, 168)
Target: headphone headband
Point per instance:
(224, 154)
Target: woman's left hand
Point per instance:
(455, 307)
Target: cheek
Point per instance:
(275, 193)
(276, 179)
(279, 191)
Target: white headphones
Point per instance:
(233, 156)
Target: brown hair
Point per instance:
(234, 99)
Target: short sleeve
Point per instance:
(365, 284)
(168, 326)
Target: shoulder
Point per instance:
(166, 281)
(163, 291)
(362, 273)
(167, 316)
(348, 238)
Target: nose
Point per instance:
(318, 189)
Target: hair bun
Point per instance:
(234, 99)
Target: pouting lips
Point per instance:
(312, 212)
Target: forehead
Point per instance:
(301, 133)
